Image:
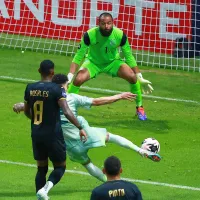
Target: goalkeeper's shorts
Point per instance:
(111, 68)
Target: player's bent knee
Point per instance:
(79, 80)
(81, 77)
(132, 79)
(86, 163)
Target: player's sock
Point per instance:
(116, 139)
(48, 186)
(56, 174)
(73, 89)
(96, 172)
(135, 89)
(40, 178)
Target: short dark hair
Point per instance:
(112, 165)
(105, 14)
(46, 66)
(59, 78)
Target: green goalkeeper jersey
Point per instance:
(103, 50)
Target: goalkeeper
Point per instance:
(102, 44)
(96, 137)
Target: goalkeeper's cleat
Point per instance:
(42, 195)
(140, 113)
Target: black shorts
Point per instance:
(54, 150)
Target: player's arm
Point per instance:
(138, 194)
(82, 49)
(130, 60)
(27, 110)
(126, 50)
(107, 100)
(70, 116)
(68, 113)
(18, 107)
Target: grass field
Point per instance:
(175, 125)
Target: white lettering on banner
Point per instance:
(17, 9)
(139, 5)
(94, 13)
(38, 13)
(64, 21)
(3, 10)
(164, 20)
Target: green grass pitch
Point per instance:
(174, 124)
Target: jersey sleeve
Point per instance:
(126, 49)
(83, 101)
(82, 49)
(26, 94)
(59, 92)
(138, 194)
(94, 195)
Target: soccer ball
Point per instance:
(151, 144)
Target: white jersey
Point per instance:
(74, 102)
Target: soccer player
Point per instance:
(42, 103)
(102, 44)
(115, 188)
(97, 137)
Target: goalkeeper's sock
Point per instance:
(135, 89)
(73, 89)
(96, 172)
(123, 142)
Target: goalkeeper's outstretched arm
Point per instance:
(130, 60)
(80, 54)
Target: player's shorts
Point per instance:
(77, 150)
(54, 150)
(111, 69)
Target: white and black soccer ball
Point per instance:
(151, 144)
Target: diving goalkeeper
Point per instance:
(102, 44)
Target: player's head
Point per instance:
(60, 79)
(105, 23)
(46, 68)
(112, 167)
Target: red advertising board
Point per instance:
(150, 25)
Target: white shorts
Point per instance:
(76, 149)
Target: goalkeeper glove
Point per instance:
(70, 77)
(146, 85)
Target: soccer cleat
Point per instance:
(140, 113)
(154, 157)
(42, 195)
(150, 155)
